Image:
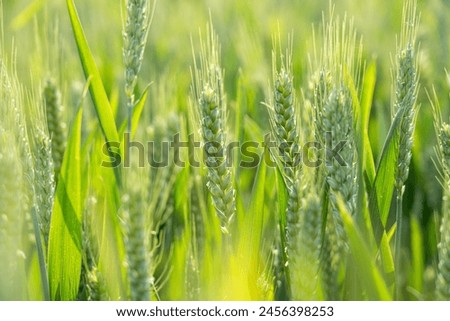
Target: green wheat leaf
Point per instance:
(368, 272)
(383, 187)
(99, 97)
(64, 252)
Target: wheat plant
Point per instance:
(209, 96)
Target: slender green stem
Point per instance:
(41, 257)
(398, 244)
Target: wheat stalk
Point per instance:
(44, 182)
(283, 113)
(208, 93)
(405, 102)
(338, 61)
(135, 34)
(134, 41)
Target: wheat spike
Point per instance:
(208, 92)
(55, 123)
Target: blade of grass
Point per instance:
(27, 14)
(368, 89)
(368, 272)
(387, 261)
(382, 191)
(417, 253)
(250, 231)
(99, 97)
(105, 223)
(65, 245)
(361, 123)
(41, 258)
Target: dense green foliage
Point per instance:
(88, 85)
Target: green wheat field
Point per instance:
(224, 150)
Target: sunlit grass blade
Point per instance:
(65, 245)
(387, 261)
(251, 232)
(418, 255)
(27, 14)
(105, 222)
(368, 89)
(99, 97)
(366, 167)
(368, 273)
(382, 191)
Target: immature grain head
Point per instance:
(55, 123)
(44, 182)
(283, 115)
(406, 94)
(338, 62)
(406, 87)
(209, 95)
(134, 40)
(340, 167)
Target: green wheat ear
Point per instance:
(55, 123)
(208, 93)
(338, 121)
(134, 41)
(406, 93)
(337, 63)
(283, 115)
(406, 87)
(44, 182)
(135, 227)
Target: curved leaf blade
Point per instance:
(65, 243)
(99, 97)
(365, 264)
(382, 191)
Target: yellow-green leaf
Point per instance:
(97, 89)
(368, 273)
(65, 244)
